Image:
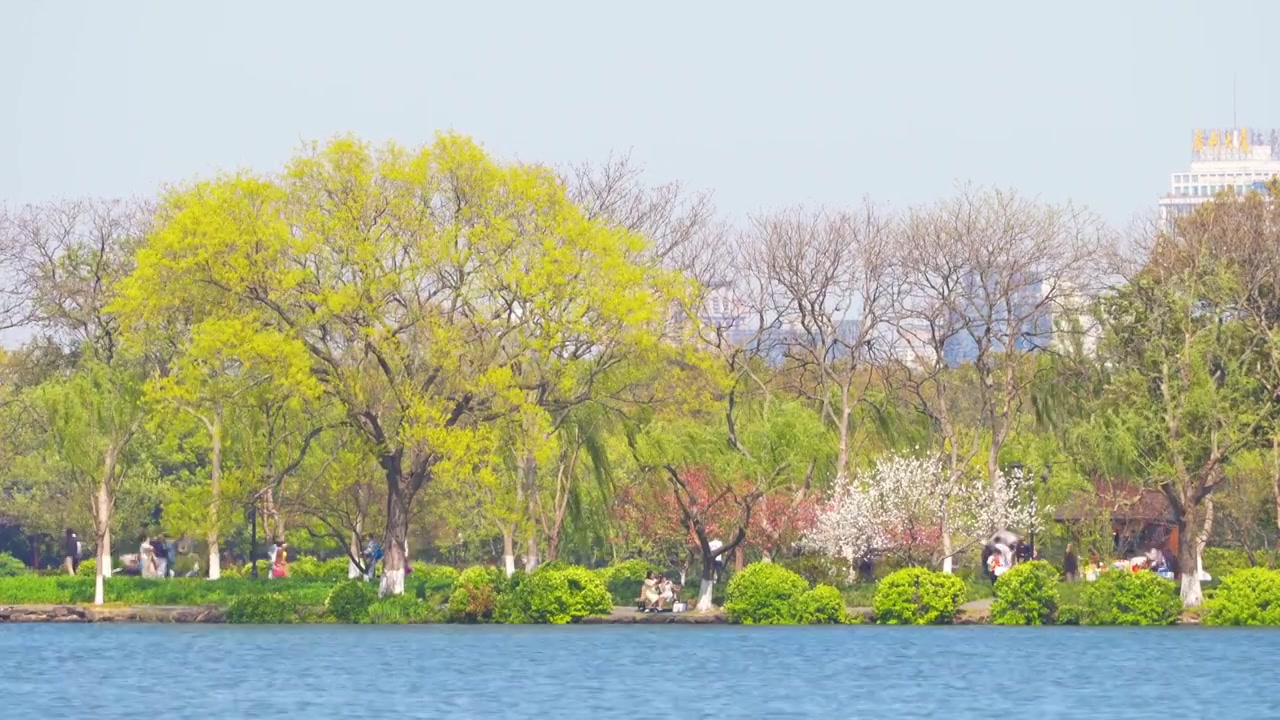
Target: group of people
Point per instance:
(278, 554)
(657, 592)
(1002, 551)
(157, 557)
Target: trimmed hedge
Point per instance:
(1246, 597)
(349, 601)
(475, 595)
(1120, 597)
(1026, 595)
(918, 596)
(822, 605)
(765, 594)
(554, 595)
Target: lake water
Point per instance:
(103, 672)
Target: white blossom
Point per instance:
(913, 506)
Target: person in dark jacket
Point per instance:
(71, 552)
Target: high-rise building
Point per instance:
(1007, 311)
(1235, 160)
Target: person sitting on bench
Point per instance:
(649, 592)
(666, 592)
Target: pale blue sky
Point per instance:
(765, 103)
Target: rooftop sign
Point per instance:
(1234, 144)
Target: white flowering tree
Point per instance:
(913, 509)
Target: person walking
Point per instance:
(1071, 564)
(280, 564)
(372, 554)
(170, 556)
(71, 552)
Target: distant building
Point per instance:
(1020, 317)
(1234, 160)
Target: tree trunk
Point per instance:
(104, 566)
(842, 455)
(353, 551)
(707, 586)
(393, 558)
(948, 564)
(509, 551)
(102, 526)
(215, 492)
(1193, 529)
(531, 552)
(529, 478)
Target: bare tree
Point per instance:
(989, 278)
(827, 279)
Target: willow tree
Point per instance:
(216, 369)
(64, 263)
(413, 279)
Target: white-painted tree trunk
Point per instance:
(704, 595)
(948, 563)
(509, 551)
(215, 492)
(103, 570)
(392, 583)
(102, 530)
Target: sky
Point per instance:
(764, 104)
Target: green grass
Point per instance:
(43, 590)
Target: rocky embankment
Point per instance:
(94, 614)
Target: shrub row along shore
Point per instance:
(760, 594)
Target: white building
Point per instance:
(1236, 160)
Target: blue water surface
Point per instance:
(104, 672)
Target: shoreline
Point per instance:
(973, 614)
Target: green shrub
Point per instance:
(918, 596)
(309, 568)
(823, 605)
(1246, 597)
(431, 580)
(1221, 562)
(1069, 615)
(11, 566)
(765, 594)
(349, 601)
(263, 609)
(819, 570)
(88, 568)
(1026, 595)
(625, 579)
(401, 610)
(475, 594)
(1120, 597)
(556, 596)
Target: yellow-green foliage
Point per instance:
(1246, 597)
(918, 596)
(1026, 595)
